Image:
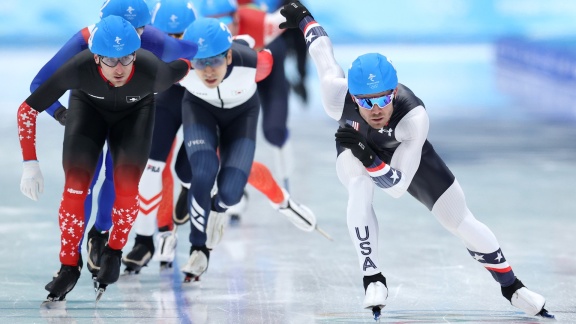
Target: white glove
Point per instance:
(32, 182)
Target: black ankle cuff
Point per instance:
(373, 278)
(95, 232)
(202, 248)
(510, 290)
(147, 241)
(109, 250)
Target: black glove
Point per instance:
(349, 138)
(294, 13)
(60, 115)
(300, 90)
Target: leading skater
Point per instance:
(112, 98)
(382, 141)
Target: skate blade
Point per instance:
(95, 283)
(324, 233)
(99, 293)
(544, 313)
(377, 312)
(53, 304)
(190, 278)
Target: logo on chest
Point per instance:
(132, 99)
(383, 130)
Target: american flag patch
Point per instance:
(311, 29)
(354, 124)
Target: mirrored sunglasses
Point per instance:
(213, 61)
(368, 103)
(113, 61)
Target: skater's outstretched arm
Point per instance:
(333, 83)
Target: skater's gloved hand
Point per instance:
(349, 138)
(264, 64)
(60, 115)
(300, 90)
(294, 13)
(32, 182)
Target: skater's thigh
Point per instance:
(84, 138)
(129, 141)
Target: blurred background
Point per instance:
(518, 51)
(348, 21)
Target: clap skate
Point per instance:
(181, 214)
(95, 245)
(215, 228)
(166, 243)
(109, 270)
(61, 285)
(140, 255)
(299, 215)
(376, 294)
(197, 263)
(528, 301)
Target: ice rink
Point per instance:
(517, 171)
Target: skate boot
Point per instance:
(140, 255)
(109, 266)
(95, 246)
(215, 228)
(181, 214)
(237, 210)
(54, 276)
(62, 284)
(166, 242)
(197, 263)
(109, 270)
(376, 294)
(301, 216)
(528, 301)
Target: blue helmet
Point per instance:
(173, 16)
(371, 73)
(113, 36)
(212, 36)
(221, 9)
(135, 11)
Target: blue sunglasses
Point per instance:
(368, 103)
(213, 61)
